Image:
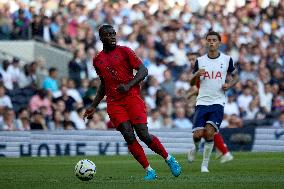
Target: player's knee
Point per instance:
(197, 135)
(209, 132)
(143, 133)
(127, 133)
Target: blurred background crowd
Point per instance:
(166, 35)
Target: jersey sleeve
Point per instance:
(134, 61)
(196, 67)
(231, 67)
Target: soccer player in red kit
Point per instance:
(127, 111)
(219, 143)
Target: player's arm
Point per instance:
(98, 98)
(136, 64)
(196, 74)
(233, 71)
(192, 92)
(142, 72)
(100, 94)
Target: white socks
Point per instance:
(196, 145)
(207, 152)
(169, 157)
(149, 168)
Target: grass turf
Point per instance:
(248, 170)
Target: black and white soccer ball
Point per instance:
(85, 170)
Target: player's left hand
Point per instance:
(123, 88)
(225, 86)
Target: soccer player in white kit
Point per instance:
(211, 71)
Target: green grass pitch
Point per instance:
(247, 170)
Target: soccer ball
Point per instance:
(85, 170)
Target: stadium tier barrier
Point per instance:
(31, 50)
(95, 142)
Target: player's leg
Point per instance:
(136, 109)
(119, 116)
(222, 147)
(197, 135)
(156, 146)
(214, 119)
(198, 131)
(208, 146)
(136, 149)
(150, 140)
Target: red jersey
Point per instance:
(116, 67)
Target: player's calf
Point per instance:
(197, 135)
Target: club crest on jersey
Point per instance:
(212, 75)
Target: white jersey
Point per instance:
(210, 91)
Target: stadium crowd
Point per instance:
(166, 35)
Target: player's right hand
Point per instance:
(200, 72)
(89, 113)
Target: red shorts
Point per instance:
(130, 108)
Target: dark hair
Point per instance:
(52, 69)
(213, 33)
(104, 27)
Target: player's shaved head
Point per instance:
(103, 28)
(108, 37)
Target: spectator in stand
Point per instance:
(40, 100)
(36, 26)
(244, 99)
(6, 25)
(28, 77)
(92, 74)
(97, 122)
(73, 92)
(21, 26)
(57, 121)
(181, 122)
(279, 123)
(50, 82)
(278, 102)
(91, 92)
(9, 122)
(77, 67)
(67, 123)
(253, 110)
(232, 121)
(6, 76)
(266, 98)
(15, 71)
(167, 122)
(156, 66)
(84, 88)
(155, 120)
(23, 120)
(5, 100)
(182, 82)
(247, 73)
(231, 107)
(76, 116)
(153, 86)
(168, 85)
(38, 121)
(41, 71)
(45, 31)
(69, 102)
(56, 24)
